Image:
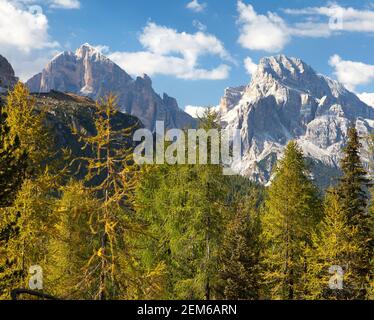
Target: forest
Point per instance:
(104, 228)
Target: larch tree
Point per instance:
(71, 244)
(332, 260)
(112, 176)
(292, 212)
(27, 122)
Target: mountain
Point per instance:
(87, 72)
(65, 112)
(7, 77)
(287, 100)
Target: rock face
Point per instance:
(7, 77)
(88, 72)
(287, 100)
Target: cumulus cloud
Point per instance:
(196, 6)
(352, 73)
(57, 4)
(367, 97)
(169, 52)
(24, 38)
(250, 66)
(22, 29)
(261, 32)
(270, 32)
(340, 18)
(65, 4)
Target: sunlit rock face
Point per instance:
(287, 100)
(88, 72)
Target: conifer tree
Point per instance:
(240, 253)
(332, 262)
(31, 217)
(71, 244)
(12, 163)
(112, 176)
(12, 170)
(291, 214)
(184, 207)
(27, 123)
(353, 190)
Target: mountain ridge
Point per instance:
(90, 73)
(287, 100)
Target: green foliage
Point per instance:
(354, 191)
(240, 254)
(291, 214)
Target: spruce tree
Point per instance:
(353, 191)
(185, 209)
(240, 253)
(291, 214)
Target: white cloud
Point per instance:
(65, 4)
(367, 97)
(199, 26)
(250, 66)
(196, 6)
(170, 52)
(352, 73)
(20, 29)
(198, 112)
(269, 32)
(340, 18)
(57, 4)
(24, 36)
(261, 32)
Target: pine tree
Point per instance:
(240, 253)
(353, 189)
(291, 214)
(335, 248)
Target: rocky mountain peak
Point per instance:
(287, 100)
(7, 76)
(283, 67)
(86, 51)
(90, 73)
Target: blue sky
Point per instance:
(202, 44)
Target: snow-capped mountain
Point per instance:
(7, 77)
(88, 72)
(287, 100)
